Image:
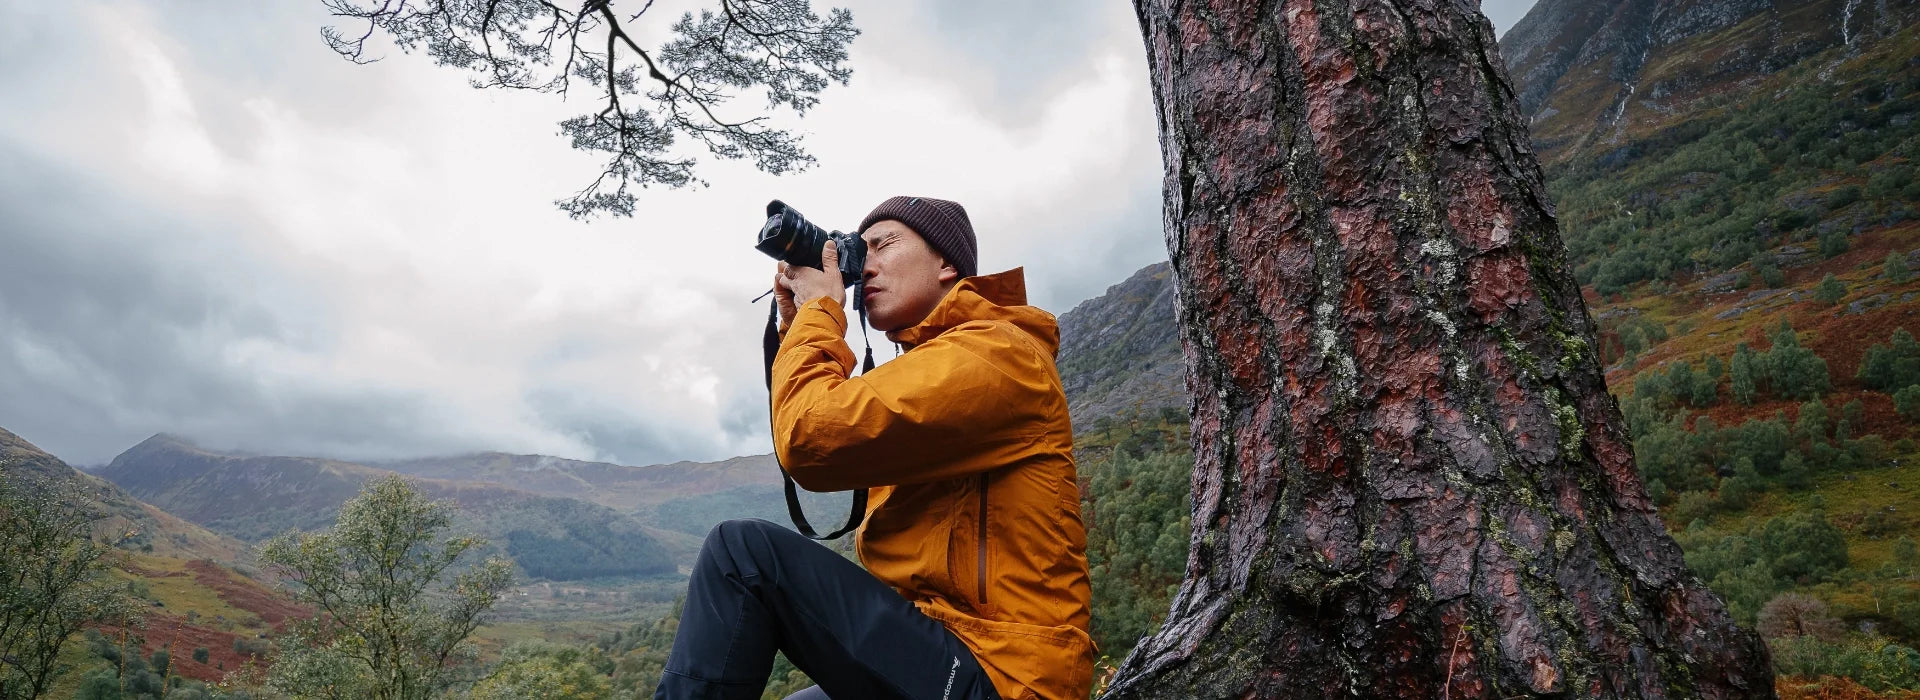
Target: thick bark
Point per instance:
(1409, 479)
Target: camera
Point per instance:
(789, 237)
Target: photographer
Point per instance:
(976, 577)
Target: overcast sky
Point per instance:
(211, 225)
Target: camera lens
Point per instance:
(789, 237)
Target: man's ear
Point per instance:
(948, 273)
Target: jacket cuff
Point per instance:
(836, 316)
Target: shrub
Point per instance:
(1830, 290)
(1895, 268)
(1833, 243)
(1797, 615)
(1907, 402)
(1891, 367)
(1843, 197)
(1801, 546)
(1792, 371)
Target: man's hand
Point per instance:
(796, 286)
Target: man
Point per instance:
(976, 574)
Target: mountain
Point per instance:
(253, 498)
(616, 486)
(1592, 73)
(1120, 351)
(197, 588)
(152, 530)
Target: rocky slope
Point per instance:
(1120, 351)
(1593, 73)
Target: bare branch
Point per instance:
(779, 47)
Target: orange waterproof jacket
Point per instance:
(974, 513)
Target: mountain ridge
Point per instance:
(124, 517)
(255, 497)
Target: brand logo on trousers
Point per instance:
(956, 669)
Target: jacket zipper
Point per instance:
(982, 568)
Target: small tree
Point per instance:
(1830, 290)
(382, 632)
(1811, 427)
(53, 582)
(1833, 243)
(1740, 374)
(1895, 268)
(1797, 615)
(1893, 367)
(1906, 402)
(1793, 371)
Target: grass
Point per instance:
(179, 592)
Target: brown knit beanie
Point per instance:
(944, 224)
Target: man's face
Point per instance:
(905, 277)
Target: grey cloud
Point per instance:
(116, 321)
(615, 431)
(1008, 56)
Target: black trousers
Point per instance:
(758, 587)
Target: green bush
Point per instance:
(1892, 367)
(1833, 243)
(1906, 402)
(1895, 268)
(1773, 277)
(1830, 290)
(1792, 371)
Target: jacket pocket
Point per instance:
(1025, 660)
(969, 556)
(980, 546)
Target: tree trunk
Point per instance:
(1409, 479)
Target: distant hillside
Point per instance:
(154, 530)
(1593, 73)
(613, 485)
(254, 498)
(1120, 351)
(196, 586)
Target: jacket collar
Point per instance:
(997, 297)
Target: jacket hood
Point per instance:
(996, 297)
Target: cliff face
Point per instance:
(1591, 73)
(1120, 351)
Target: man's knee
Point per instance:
(736, 538)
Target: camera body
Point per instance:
(789, 237)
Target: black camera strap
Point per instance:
(771, 344)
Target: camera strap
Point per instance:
(771, 344)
